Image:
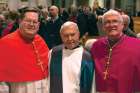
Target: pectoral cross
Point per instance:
(105, 74)
(41, 65)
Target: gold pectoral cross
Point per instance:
(105, 74)
(41, 65)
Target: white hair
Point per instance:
(112, 12)
(126, 19)
(69, 24)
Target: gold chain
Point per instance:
(106, 72)
(39, 62)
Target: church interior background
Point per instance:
(132, 6)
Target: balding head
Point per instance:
(69, 33)
(53, 11)
(69, 25)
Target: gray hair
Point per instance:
(126, 19)
(69, 24)
(112, 12)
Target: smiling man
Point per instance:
(71, 67)
(117, 58)
(24, 58)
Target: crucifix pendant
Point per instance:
(41, 65)
(105, 74)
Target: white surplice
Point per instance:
(24, 87)
(71, 70)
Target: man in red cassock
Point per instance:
(24, 58)
(117, 58)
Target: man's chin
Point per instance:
(113, 33)
(30, 31)
(114, 36)
(70, 47)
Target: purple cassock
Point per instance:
(123, 67)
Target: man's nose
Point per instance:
(69, 38)
(32, 23)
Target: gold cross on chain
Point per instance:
(41, 65)
(105, 74)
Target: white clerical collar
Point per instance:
(75, 49)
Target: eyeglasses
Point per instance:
(30, 22)
(112, 22)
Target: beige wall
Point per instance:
(137, 5)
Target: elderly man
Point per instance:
(24, 58)
(71, 67)
(117, 58)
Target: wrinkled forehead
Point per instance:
(68, 30)
(107, 17)
(31, 15)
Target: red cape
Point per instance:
(18, 62)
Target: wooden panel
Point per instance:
(136, 24)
